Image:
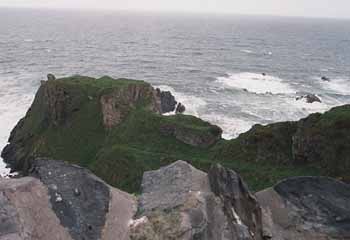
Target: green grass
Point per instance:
(262, 156)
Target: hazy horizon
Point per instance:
(290, 8)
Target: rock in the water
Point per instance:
(307, 208)
(240, 206)
(180, 108)
(51, 77)
(309, 98)
(168, 102)
(326, 79)
(177, 203)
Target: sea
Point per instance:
(231, 70)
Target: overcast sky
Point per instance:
(311, 8)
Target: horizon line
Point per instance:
(167, 11)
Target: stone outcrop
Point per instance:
(186, 134)
(168, 102)
(240, 206)
(25, 212)
(63, 201)
(51, 77)
(117, 104)
(306, 208)
(180, 108)
(177, 203)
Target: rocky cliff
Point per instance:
(107, 125)
(115, 128)
(177, 202)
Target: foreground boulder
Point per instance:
(26, 213)
(177, 203)
(306, 208)
(240, 206)
(63, 202)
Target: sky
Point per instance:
(306, 8)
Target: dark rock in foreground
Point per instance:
(178, 202)
(307, 208)
(63, 202)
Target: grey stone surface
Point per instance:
(169, 186)
(63, 202)
(25, 212)
(84, 214)
(307, 208)
(240, 206)
(177, 203)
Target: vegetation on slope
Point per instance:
(67, 121)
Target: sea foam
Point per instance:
(256, 83)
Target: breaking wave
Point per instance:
(256, 83)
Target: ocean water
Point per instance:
(213, 64)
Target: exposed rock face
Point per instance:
(240, 206)
(118, 104)
(309, 98)
(25, 212)
(307, 208)
(63, 202)
(177, 203)
(73, 190)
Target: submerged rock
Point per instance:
(180, 108)
(326, 79)
(51, 77)
(309, 98)
(307, 208)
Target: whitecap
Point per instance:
(231, 126)
(340, 85)
(256, 83)
(247, 51)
